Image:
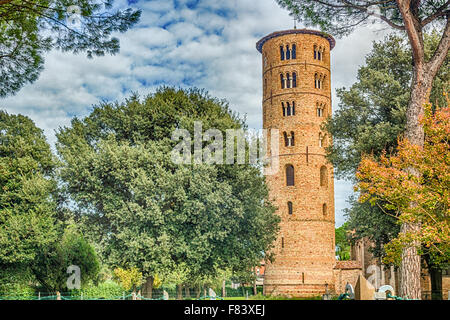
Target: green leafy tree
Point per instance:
(370, 117)
(51, 264)
(150, 213)
(342, 241)
(27, 205)
(30, 28)
(372, 113)
(410, 17)
(385, 179)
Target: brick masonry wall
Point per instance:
(304, 252)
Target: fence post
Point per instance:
(39, 295)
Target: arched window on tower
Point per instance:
(294, 51)
(292, 141)
(316, 81)
(290, 208)
(284, 109)
(283, 83)
(288, 109)
(288, 80)
(294, 80)
(319, 54)
(289, 175)
(324, 209)
(323, 176)
(315, 52)
(293, 108)
(282, 52)
(288, 52)
(321, 138)
(320, 110)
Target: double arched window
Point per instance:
(321, 140)
(320, 109)
(288, 139)
(289, 175)
(288, 109)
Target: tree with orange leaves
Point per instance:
(423, 199)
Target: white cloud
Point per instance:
(211, 47)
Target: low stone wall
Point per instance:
(346, 272)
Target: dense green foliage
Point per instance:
(371, 113)
(342, 241)
(33, 248)
(147, 212)
(27, 206)
(28, 29)
(370, 117)
(50, 265)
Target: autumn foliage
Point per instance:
(390, 184)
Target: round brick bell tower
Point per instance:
(296, 101)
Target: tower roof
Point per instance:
(261, 42)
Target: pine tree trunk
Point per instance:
(410, 266)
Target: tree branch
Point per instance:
(439, 13)
(2, 2)
(441, 52)
(412, 27)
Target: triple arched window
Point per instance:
(288, 52)
(318, 52)
(289, 80)
(288, 108)
(319, 80)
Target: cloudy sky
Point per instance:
(204, 43)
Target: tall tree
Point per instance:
(27, 205)
(30, 28)
(371, 114)
(341, 17)
(370, 117)
(387, 180)
(151, 213)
